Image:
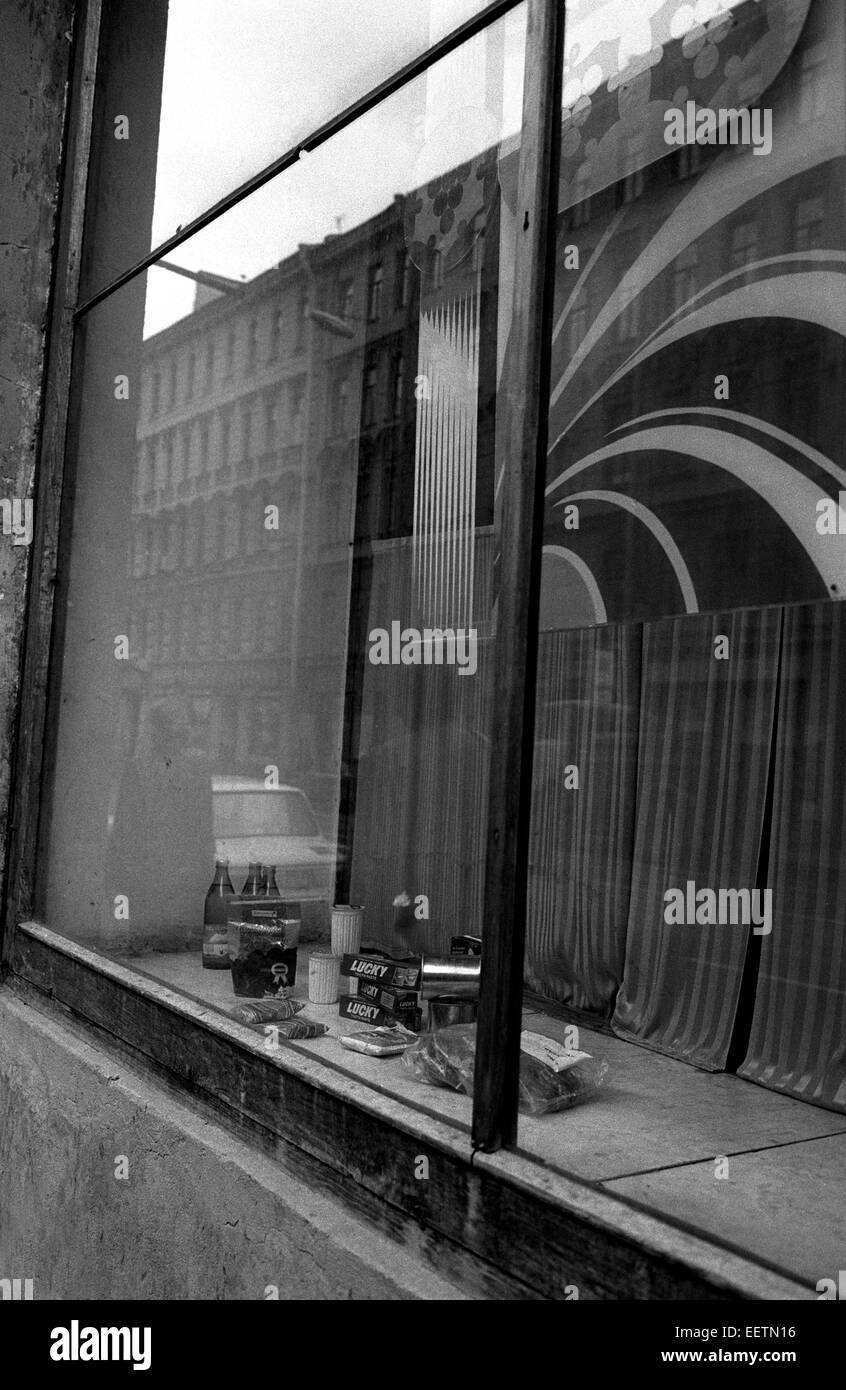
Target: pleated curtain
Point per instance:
(706, 726)
(798, 1038)
(583, 804)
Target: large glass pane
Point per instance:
(199, 95)
(277, 617)
(686, 903)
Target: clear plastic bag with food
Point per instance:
(552, 1077)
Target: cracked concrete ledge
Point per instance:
(113, 1189)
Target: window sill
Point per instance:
(523, 1225)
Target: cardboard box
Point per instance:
(377, 970)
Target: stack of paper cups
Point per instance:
(347, 923)
(324, 973)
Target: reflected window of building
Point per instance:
(346, 295)
(276, 318)
(684, 276)
(374, 292)
(340, 405)
(204, 461)
(171, 395)
(302, 321)
(229, 359)
(436, 270)
(247, 431)
(403, 280)
(577, 326)
(190, 374)
(270, 403)
(369, 394)
(297, 403)
(808, 222)
(631, 186)
(209, 385)
(399, 385)
(225, 438)
(743, 244)
(812, 95)
(252, 344)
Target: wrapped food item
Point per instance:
(266, 1010)
(552, 1077)
(294, 1030)
(379, 1042)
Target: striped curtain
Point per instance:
(706, 727)
(583, 800)
(422, 777)
(798, 1038)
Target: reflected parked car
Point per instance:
(273, 825)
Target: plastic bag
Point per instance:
(552, 1077)
(379, 1042)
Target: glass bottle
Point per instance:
(271, 887)
(252, 887)
(215, 913)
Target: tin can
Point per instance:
(451, 975)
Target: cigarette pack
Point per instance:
(397, 1001)
(391, 974)
(366, 1011)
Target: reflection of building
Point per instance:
(267, 439)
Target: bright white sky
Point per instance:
(243, 81)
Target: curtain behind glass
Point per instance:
(705, 734)
(798, 1041)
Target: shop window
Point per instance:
(689, 662)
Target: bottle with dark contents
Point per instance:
(215, 913)
(271, 887)
(252, 886)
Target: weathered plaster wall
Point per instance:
(199, 1214)
(34, 57)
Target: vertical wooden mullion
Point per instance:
(25, 798)
(521, 473)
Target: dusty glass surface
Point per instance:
(277, 617)
(687, 846)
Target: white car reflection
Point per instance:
(253, 822)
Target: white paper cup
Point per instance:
(347, 923)
(324, 973)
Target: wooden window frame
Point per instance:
(535, 1233)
